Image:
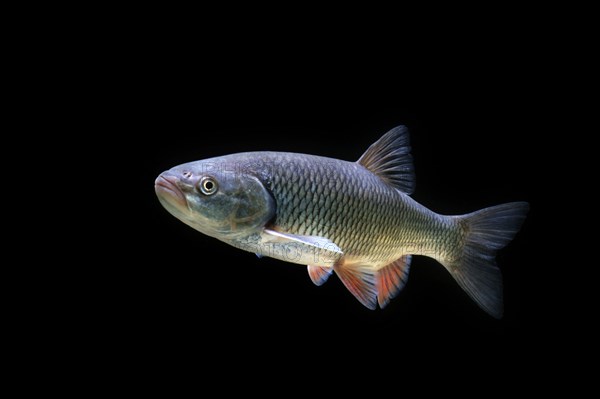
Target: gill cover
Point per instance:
(239, 205)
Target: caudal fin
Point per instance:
(488, 230)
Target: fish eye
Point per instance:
(207, 186)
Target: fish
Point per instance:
(356, 220)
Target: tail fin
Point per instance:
(488, 230)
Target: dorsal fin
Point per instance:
(390, 159)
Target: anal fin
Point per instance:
(391, 279)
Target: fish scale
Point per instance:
(364, 204)
(354, 218)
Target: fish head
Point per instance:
(221, 202)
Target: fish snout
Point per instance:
(167, 188)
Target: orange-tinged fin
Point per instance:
(360, 282)
(390, 159)
(391, 279)
(319, 274)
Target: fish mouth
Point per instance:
(166, 188)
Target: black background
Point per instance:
(172, 284)
(163, 292)
(127, 297)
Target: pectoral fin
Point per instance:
(319, 242)
(310, 250)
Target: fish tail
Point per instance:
(485, 232)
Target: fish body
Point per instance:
(356, 219)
